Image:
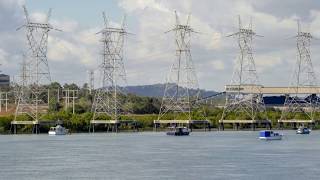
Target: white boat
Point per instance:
(270, 135)
(178, 131)
(58, 130)
(303, 130)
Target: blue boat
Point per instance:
(270, 135)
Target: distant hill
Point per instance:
(156, 90)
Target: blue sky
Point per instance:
(149, 52)
(84, 11)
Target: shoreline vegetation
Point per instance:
(142, 109)
(80, 122)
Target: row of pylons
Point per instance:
(296, 108)
(181, 91)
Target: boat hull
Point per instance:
(58, 130)
(271, 138)
(53, 133)
(178, 133)
(303, 131)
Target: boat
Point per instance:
(58, 130)
(303, 130)
(270, 135)
(178, 131)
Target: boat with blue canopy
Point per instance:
(270, 135)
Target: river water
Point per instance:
(148, 155)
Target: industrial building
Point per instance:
(4, 80)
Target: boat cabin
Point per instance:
(178, 131)
(270, 135)
(266, 133)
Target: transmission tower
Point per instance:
(181, 80)
(35, 69)
(245, 106)
(112, 71)
(302, 105)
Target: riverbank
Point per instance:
(44, 130)
(78, 123)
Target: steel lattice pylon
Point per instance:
(244, 105)
(112, 71)
(32, 97)
(303, 76)
(182, 78)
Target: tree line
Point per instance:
(142, 109)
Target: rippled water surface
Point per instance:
(148, 155)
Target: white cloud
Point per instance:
(38, 17)
(136, 5)
(218, 65)
(58, 49)
(150, 52)
(216, 19)
(3, 57)
(67, 25)
(264, 62)
(75, 50)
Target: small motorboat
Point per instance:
(178, 131)
(303, 130)
(58, 130)
(270, 135)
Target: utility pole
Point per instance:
(182, 77)
(70, 95)
(91, 80)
